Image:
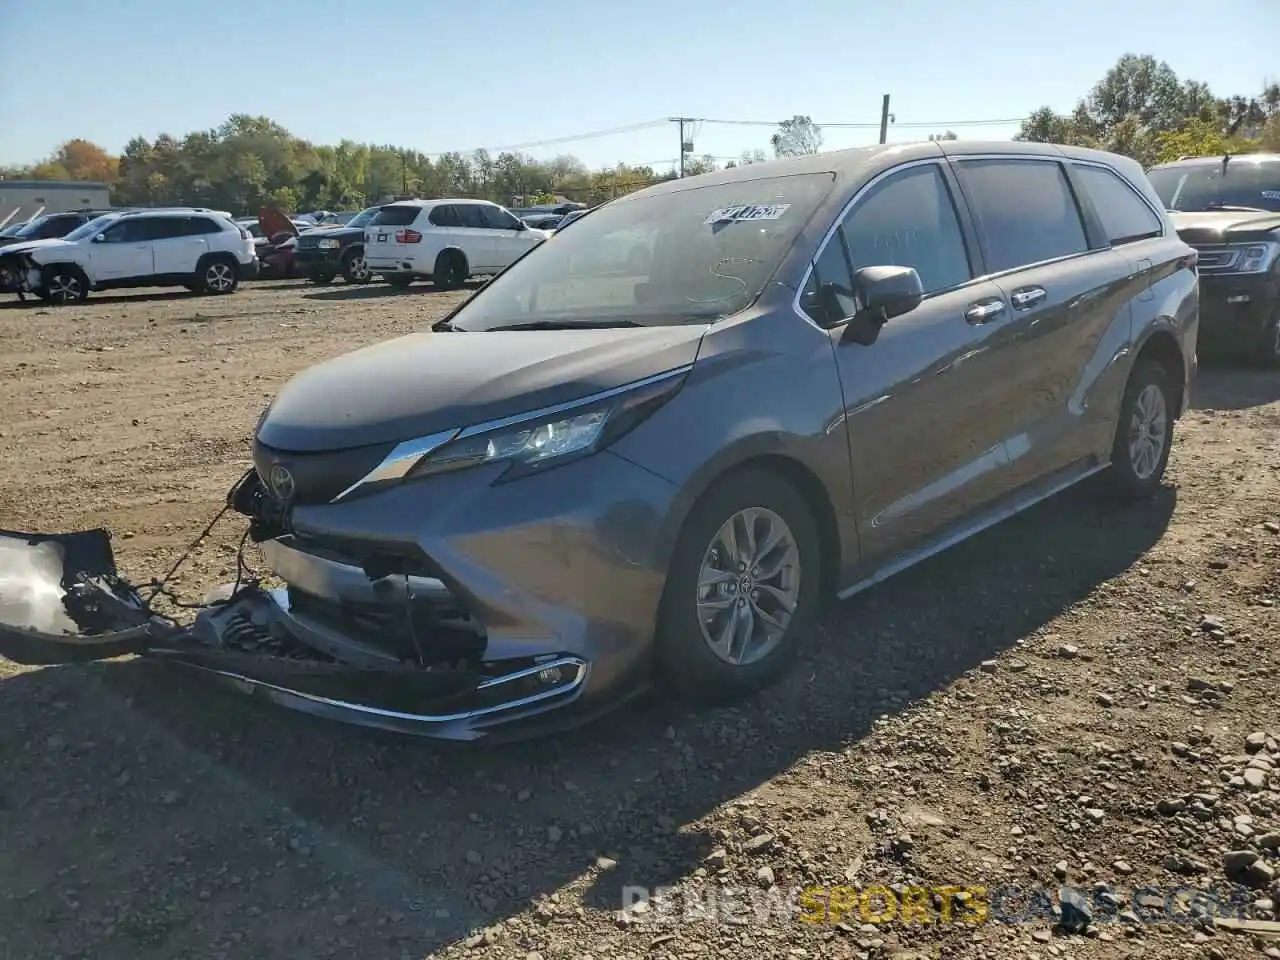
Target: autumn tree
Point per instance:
(797, 137)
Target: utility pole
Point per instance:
(884, 119)
(684, 144)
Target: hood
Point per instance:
(273, 222)
(33, 246)
(343, 233)
(426, 382)
(1210, 227)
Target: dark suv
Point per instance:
(1228, 208)
(51, 226)
(325, 251)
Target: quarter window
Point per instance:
(1025, 210)
(396, 215)
(909, 220)
(1125, 217)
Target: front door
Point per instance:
(927, 406)
(511, 237)
(121, 251)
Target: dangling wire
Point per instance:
(244, 575)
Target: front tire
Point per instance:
(1144, 433)
(63, 284)
(354, 268)
(1270, 345)
(743, 588)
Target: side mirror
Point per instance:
(100, 238)
(879, 295)
(520, 225)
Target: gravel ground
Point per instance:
(1083, 696)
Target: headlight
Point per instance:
(1256, 257)
(539, 440)
(327, 243)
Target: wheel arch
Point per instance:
(790, 469)
(1162, 348)
(452, 250)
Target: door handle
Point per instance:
(984, 311)
(1027, 297)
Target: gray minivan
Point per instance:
(604, 469)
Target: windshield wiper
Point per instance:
(563, 325)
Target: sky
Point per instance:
(437, 77)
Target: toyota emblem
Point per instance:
(281, 481)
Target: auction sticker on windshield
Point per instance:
(747, 211)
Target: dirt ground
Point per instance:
(1068, 699)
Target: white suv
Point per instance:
(446, 240)
(190, 247)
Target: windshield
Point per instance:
(1246, 183)
(96, 225)
(690, 255)
(363, 217)
(25, 229)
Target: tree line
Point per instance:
(1143, 109)
(1140, 108)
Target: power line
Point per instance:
(649, 124)
(552, 141)
(873, 125)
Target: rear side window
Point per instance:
(162, 228)
(196, 226)
(444, 216)
(909, 220)
(471, 215)
(394, 215)
(1125, 216)
(1025, 210)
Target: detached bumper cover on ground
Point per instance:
(253, 641)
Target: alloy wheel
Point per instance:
(748, 586)
(359, 269)
(64, 287)
(219, 278)
(1148, 429)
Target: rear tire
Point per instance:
(354, 268)
(63, 283)
(450, 270)
(1144, 434)
(218, 276)
(762, 582)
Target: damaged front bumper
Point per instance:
(62, 600)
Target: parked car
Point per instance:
(1228, 208)
(543, 221)
(447, 241)
(48, 227)
(579, 484)
(194, 247)
(274, 240)
(327, 250)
